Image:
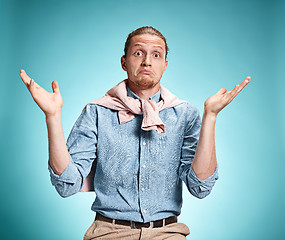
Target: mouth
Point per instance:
(147, 72)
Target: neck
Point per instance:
(143, 93)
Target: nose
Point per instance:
(146, 61)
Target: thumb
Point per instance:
(222, 91)
(55, 87)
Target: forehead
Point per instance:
(147, 40)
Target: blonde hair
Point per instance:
(144, 30)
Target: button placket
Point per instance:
(144, 155)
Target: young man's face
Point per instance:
(145, 61)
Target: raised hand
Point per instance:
(214, 104)
(50, 103)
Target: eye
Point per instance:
(138, 53)
(156, 55)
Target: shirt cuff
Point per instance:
(67, 176)
(205, 184)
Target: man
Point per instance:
(144, 142)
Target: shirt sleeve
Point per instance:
(81, 145)
(197, 187)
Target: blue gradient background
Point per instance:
(213, 44)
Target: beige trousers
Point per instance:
(104, 230)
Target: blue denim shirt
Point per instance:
(139, 173)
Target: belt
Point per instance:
(138, 225)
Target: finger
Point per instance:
(234, 92)
(55, 87)
(231, 94)
(26, 79)
(244, 83)
(239, 87)
(31, 87)
(222, 91)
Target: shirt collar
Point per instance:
(155, 97)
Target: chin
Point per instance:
(146, 82)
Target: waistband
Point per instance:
(138, 225)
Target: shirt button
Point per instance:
(144, 166)
(144, 211)
(142, 189)
(144, 143)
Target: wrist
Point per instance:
(54, 116)
(210, 115)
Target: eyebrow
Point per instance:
(139, 45)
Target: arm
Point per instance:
(197, 187)
(58, 154)
(51, 104)
(82, 148)
(205, 162)
(70, 163)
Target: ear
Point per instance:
(166, 64)
(123, 64)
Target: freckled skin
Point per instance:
(146, 52)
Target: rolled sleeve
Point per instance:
(68, 182)
(201, 188)
(65, 177)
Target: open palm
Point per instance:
(222, 98)
(50, 103)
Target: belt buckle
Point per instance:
(133, 225)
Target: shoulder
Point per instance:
(190, 114)
(187, 108)
(92, 106)
(89, 111)
(95, 109)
